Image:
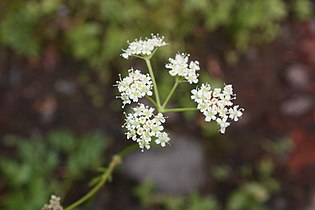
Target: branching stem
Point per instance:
(170, 94)
(155, 89)
(180, 110)
(105, 177)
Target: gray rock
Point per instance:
(297, 76)
(297, 106)
(177, 169)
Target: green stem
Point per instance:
(155, 89)
(152, 101)
(128, 150)
(105, 177)
(180, 110)
(170, 93)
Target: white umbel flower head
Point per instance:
(143, 47)
(217, 104)
(133, 87)
(143, 127)
(179, 67)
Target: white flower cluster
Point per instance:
(143, 47)
(143, 127)
(179, 67)
(54, 204)
(136, 85)
(217, 104)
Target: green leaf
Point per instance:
(84, 40)
(202, 203)
(145, 193)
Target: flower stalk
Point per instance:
(153, 102)
(180, 110)
(170, 93)
(155, 88)
(106, 176)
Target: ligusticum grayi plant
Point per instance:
(145, 124)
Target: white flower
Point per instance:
(217, 92)
(235, 113)
(179, 67)
(210, 115)
(162, 139)
(228, 90)
(223, 124)
(143, 47)
(222, 111)
(159, 118)
(144, 144)
(133, 87)
(143, 127)
(217, 104)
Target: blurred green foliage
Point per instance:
(252, 193)
(281, 146)
(302, 9)
(148, 197)
(255, 186)
(47, 165)
(95, 31)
